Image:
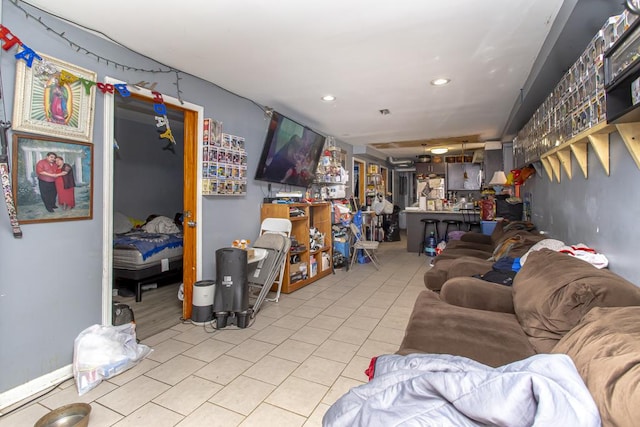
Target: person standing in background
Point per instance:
(47, 172)
(65, 183)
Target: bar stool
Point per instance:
(427, 222)
(451, 222)
(471, 219)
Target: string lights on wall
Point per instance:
(117, 65)
(43, 69)
(98, 57)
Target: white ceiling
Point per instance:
(370, 54)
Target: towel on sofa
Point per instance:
(446, 390)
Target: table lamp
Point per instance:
(498, 180)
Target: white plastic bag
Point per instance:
(101, 352)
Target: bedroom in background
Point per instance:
(148, 182)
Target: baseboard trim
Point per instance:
(34, 386)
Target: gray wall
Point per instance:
(600, 211)
(146, 178)
(51, 279)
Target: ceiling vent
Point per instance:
(400, 162)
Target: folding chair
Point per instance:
(278, 226)
(262, 273)
(368, 246)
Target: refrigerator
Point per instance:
(464, 176)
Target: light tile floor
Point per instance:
(286, 369)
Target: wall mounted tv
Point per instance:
(290, 154)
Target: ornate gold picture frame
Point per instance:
(44, 106)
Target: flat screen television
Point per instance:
(290, 153)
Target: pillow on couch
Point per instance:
(605, 347)
(553, 291)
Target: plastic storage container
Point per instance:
(488, 226)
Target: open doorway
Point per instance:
(186, 125)
(148, 193)
(359, 180)
(386, 183)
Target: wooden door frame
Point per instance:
(384, 171)
(192, 254)
(361, 178)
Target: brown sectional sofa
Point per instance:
(557, 304)
(472, 253)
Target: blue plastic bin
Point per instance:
(342, 247)
(488, 226)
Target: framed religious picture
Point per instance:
(46, 104)
(52, 179)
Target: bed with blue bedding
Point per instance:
(141, 257)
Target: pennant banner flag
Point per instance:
(45, 68)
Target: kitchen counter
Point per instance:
(415, 228)
(443, 212)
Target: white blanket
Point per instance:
(445, 390)
(161, 224)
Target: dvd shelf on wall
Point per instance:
(224, 162)
(578, 101)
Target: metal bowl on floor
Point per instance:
(73, 415)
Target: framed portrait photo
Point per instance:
(44, 106)
(53, 179)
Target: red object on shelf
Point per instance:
(487, 209)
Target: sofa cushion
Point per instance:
(445, 269)
(492, 338)
(605, 347)
(476, 293)
(463, 244)
(553, 291)
(435, 276)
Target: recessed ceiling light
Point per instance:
(440, 82)
(439, 150)
(328, 98)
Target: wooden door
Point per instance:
(359, 180)
(190, 221)
(385, 180)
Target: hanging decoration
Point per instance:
(43, 67)
(162, 119)
(5, 181)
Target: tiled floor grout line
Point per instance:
(385, 302)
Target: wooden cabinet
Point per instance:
(429, 168)
(311, 255)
